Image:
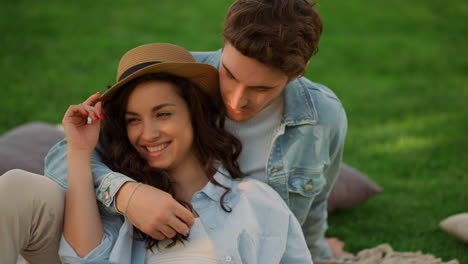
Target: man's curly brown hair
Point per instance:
(282, 34)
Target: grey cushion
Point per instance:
(26, 146)
(352, 188)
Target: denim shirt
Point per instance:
(302, 166)
(271, 235)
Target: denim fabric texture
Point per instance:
(271, 235)
(302, 166)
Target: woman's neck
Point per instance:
(189, 178)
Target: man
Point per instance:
(292, 130)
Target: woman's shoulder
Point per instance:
(268, 214)
(260, 194)
(250, 186)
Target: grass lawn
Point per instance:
(399, 67)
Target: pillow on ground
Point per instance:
(26, 146)
(456, 225)
(351, 188)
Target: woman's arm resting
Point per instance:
(82, 223)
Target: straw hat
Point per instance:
(167, 58)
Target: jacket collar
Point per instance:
(215, 192)
(215, 58)
(299, 107)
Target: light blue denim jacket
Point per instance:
(304, 160)
(271, 235)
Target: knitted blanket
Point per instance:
(384, 254)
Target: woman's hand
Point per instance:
(80, 135)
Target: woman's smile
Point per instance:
(156, 150)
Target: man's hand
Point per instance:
(154, 212)
(337, 247)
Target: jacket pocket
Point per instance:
(303, 186)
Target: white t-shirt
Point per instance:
(198, 249)
(256, 135)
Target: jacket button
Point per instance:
(106, 195)
(275, 170)
(228, 259)
(309, 187)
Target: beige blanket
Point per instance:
(384, 254)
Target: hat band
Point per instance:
(136, 68)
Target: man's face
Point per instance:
(247, 86)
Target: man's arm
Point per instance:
(106, 182)
(315, 226)
(151, 210)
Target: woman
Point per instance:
(163, 128)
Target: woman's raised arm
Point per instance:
(83, 228)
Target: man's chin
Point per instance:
(238, 117)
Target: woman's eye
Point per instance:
(130, 120)
(163, 114)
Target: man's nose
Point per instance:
(238, 98)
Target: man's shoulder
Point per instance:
(316, 101)
(209, 57)
(317, 90)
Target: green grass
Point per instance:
(399, 67)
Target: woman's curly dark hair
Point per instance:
(213, 145)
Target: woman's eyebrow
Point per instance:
(154, 109)
(158, 107)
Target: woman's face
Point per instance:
(158, 125)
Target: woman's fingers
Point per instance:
(94, 112)
(78, 114)
(93, 106)
(92, 99)
(75, 114)
(98, 107)
(81, 110)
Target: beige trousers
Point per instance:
(31, 218)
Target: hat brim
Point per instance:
(203, 75)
